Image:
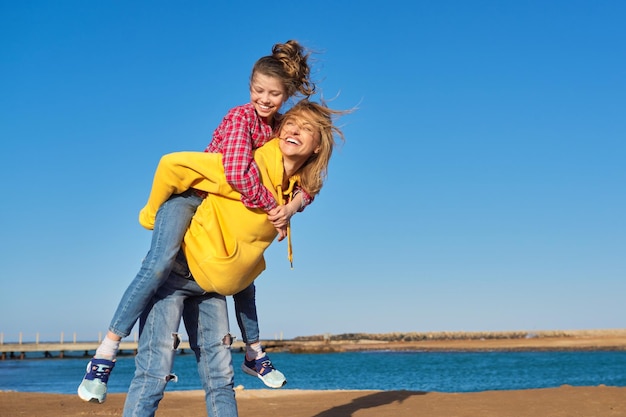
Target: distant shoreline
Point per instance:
(610, 339)
(551, 340)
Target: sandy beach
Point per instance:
(565, 401)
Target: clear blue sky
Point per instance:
(480, 187)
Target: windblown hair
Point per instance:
(314, 171)
(288, 63)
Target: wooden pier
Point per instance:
(60, 349)
(21, 350)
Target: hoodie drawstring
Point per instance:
(281, 200)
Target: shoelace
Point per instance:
(281, 200)
(101, 372)
(266, 367)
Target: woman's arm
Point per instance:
(281, 215)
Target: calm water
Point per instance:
(415, 371)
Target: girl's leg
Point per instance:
(256, 362)
(172, 221)
(245, 310)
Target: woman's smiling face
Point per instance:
(299, 136)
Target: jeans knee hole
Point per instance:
(227, 339)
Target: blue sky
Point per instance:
(480, 187)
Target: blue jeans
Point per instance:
(206, 319)
(245, 305)
(171, 223)
(245, 311)
(170, 226)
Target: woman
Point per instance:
(221, 228)
(274, 79)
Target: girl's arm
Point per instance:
(241, 171)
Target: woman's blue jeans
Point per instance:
(206, 320)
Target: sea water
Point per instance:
(378, 370)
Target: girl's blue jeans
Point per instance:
(245, 310)
(206, 319)
(171, 223)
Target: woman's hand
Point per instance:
(282, 233)
(281, 215)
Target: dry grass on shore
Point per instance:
(611, 339)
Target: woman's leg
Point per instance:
(158, 341)
(206, 320)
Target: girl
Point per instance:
(274, 79)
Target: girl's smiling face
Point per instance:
(267, 95)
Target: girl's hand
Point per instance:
(280, 216)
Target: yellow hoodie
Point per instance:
(225, 242)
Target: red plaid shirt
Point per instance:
(241, 131)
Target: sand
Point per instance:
(566, 401)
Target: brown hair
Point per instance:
(313, 172)
(288, 63)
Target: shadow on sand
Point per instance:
(368, 401)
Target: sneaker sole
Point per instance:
(250, 372)
(85, 396)
(272, 386)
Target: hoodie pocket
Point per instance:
(227, 275)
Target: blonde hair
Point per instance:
(288, 63)
(314, 171)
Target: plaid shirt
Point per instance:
(241, 131)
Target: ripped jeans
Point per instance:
(206, 319)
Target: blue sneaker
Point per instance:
(265, 371)
(94, 385)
